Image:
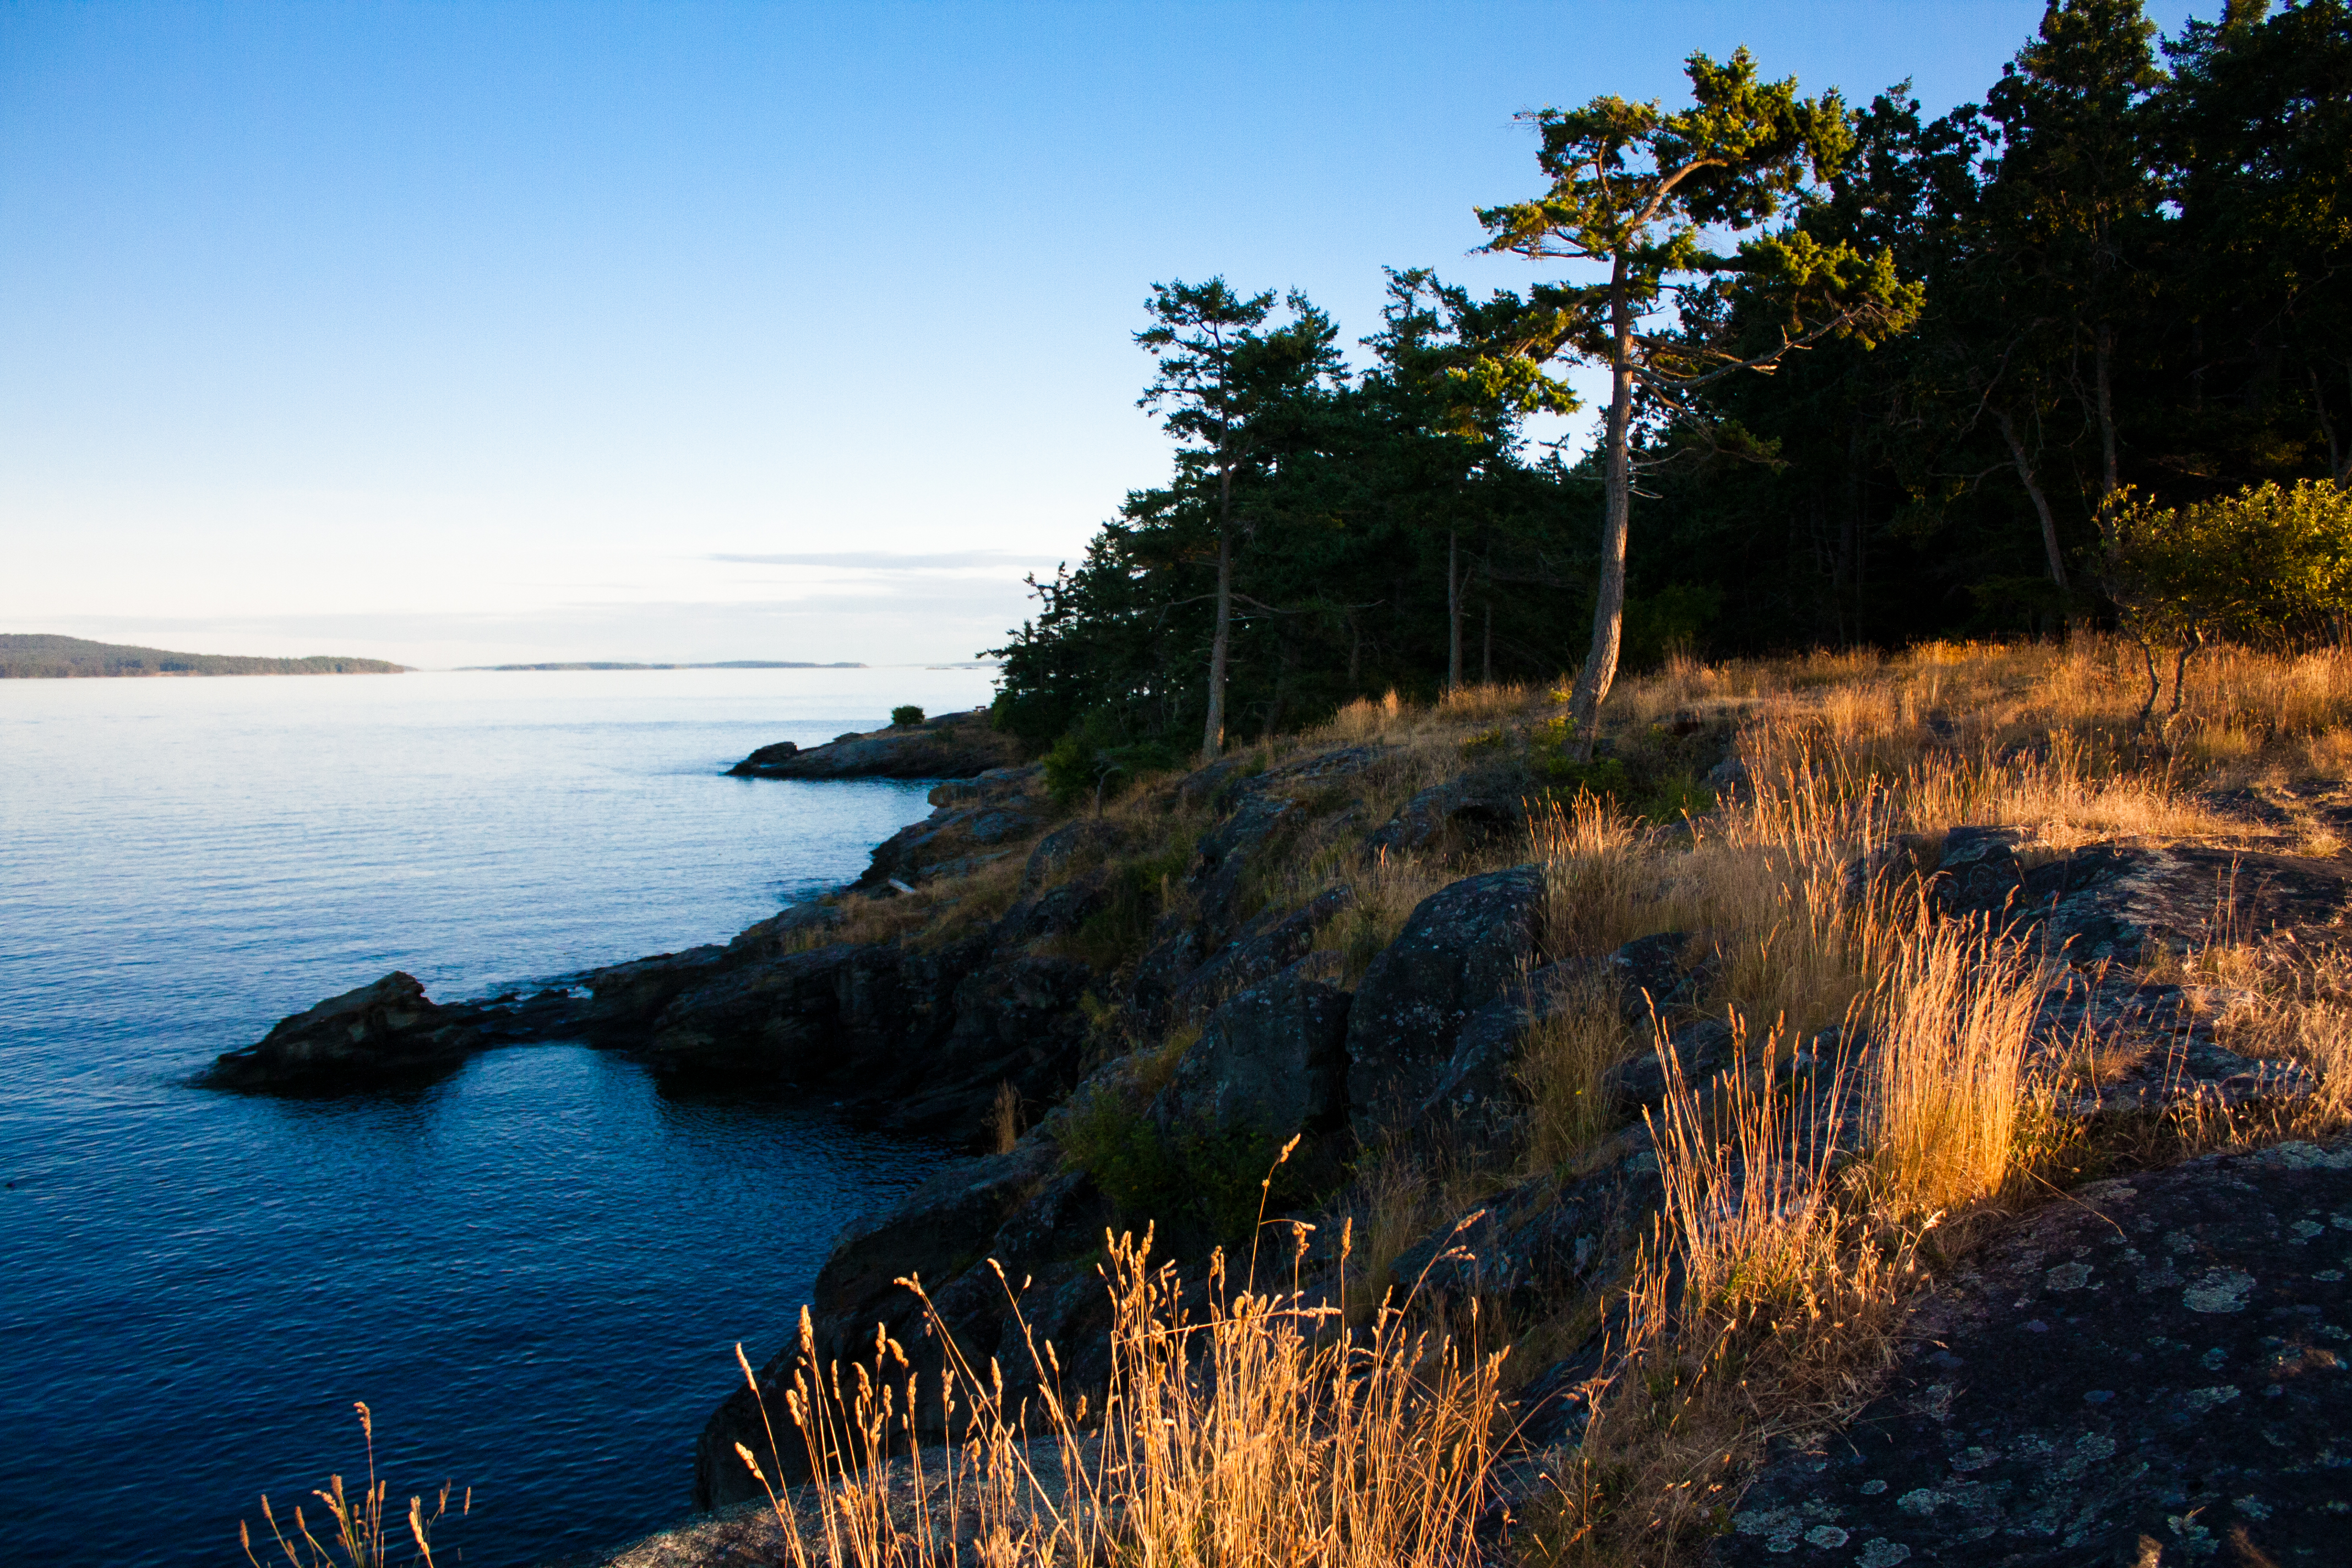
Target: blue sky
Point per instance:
(455, 333)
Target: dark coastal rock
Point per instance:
(1543, 1238)
(1262, 949)
(1056, 911)
(920, 1041)
(2159, 1371)
(2152, 1045)
(1227, 851)
(1013, 1021)
(1465, 812)
(1703, 1049)
(997, 783)
(1465, 946)
(1215, 948)
(780, 933)
(767, 1021)
(1272, 1061)
(1082, 842)
(1648, 977)
(957, 838)
(954, 745)
(384, 1029)
(1259, 808)
(626, 998)
(950, 1219)
(1658, 975)
(1207, 787)
(2101, 902)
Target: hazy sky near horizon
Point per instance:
(466, 333)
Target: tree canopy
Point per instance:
(2121, 281)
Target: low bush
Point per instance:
(907, 716)
(1089, 765)
(1121, 929)
(1200, 1187)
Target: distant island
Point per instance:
(723, 664)
(33, 656)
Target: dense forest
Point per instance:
(1874, 377)
(35, 656)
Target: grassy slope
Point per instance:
(1840, 754)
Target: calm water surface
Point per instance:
(534, 1271)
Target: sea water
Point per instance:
(532, 1271)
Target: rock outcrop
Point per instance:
(951, 746)
(973, 823)
(2160, 1371)
(2105, 901)
(1465, 947)
(1272, 1061)
(385, 1030)
(1468, 811)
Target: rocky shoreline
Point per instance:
(1283, 1035)
(951, 746)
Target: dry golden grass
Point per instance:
(1599, 886)
(359, 1539)
(1004, 1118)
(1798, 1225)
(1562, 1072)
(1364, 719)
(1383, 891)
(1260, 1429)
(1951, 1022)
(1771, 1294)
(1484, 703)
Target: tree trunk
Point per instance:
(1849, 545)
(1600, 671)
(2104, 351)
(1486, 656)
(2155, 684)
(2339, 471)
(1452, 618)
(2041, 501)
(1212, 734)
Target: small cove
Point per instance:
(532, 1270)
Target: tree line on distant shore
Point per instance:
(26, 656)
(1874, 377)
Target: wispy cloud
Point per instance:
(893, 561)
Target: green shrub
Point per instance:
(906, 716)
(1640, 791)
(1122, 927)
(1086, 761)
(1605, 776)
(1200, 1187)
(2264, 566)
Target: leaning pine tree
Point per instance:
(1637, 193)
